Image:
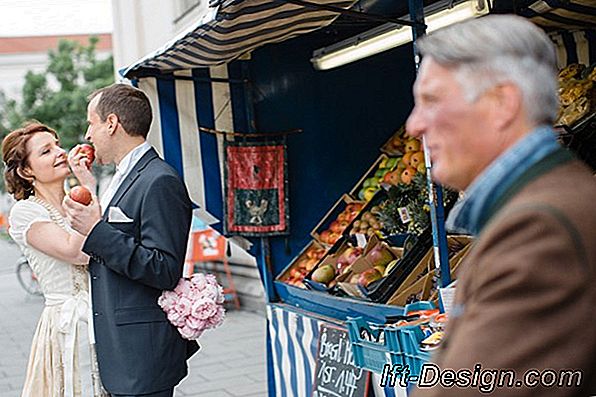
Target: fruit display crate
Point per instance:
(370, 183)
(394, 145)
(339, 308)
(330, 258)
(379, 197)
(302, 264)
(375, 345)
(333, 224)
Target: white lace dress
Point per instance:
(60, 363)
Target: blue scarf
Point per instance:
(467, 216)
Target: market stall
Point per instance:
(241, 83)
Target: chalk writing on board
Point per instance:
(335, 373)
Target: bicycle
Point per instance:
(26, 277)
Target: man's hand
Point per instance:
(81, 217)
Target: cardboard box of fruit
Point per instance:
(334, 266)
(376, 262)
(419, 283)
(302, 264)
(331, 227)
(354, 265)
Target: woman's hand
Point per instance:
(79, 164)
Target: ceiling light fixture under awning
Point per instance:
(389, 35)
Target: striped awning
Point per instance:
(234, 28)
(562, 14)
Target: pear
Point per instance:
(323, 274)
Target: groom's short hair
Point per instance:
(130, 104)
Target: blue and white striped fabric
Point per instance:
(577, 46)
(234, 28)
(180, 106)
(294, 339)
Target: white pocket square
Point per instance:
(116, 215)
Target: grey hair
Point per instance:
(496, 49)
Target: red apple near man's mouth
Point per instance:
(87, 150)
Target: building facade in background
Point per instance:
(29, 28)
(18, 55)
(143, 26)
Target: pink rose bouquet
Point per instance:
(194, 305)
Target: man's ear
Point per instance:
(509, 104)
(112, 121)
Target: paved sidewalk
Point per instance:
(230, 363)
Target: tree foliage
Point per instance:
(57, 96)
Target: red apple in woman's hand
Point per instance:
(85, 149)
(80, 194)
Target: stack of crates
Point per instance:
(374, 345)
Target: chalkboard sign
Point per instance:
(335, 373)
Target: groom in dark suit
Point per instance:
(136, 240)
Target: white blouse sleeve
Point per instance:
(22, 215)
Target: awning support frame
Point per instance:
(354, 14)
(171, 77)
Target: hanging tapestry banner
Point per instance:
(256, 189)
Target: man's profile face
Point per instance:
(457, 132)
(97, 133)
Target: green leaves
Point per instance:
(58, 96)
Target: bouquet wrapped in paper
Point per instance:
(196, 304)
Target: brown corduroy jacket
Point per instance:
(526, 294)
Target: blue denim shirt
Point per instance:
(467, 216)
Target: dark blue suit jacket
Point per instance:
(131, 263)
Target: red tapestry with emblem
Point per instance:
(256, 195)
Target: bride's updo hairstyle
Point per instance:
(14, 155)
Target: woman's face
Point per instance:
(47, 160)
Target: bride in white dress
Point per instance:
(62, 361)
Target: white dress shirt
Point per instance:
(123, 168)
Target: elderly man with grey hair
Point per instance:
(524, 318)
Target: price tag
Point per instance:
(404, 215)
(361, 240)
